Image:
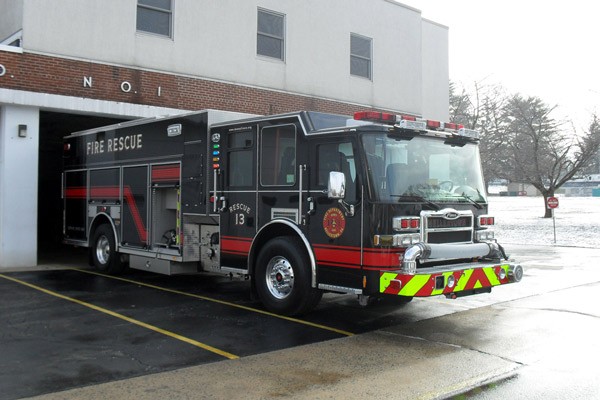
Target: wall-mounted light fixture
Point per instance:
(22, 130)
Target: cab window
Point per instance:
(239, 160)
(337, 157)
(278, 156)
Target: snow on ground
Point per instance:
(519, 220)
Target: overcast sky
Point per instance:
(549, 49)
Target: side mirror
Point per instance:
(336, 187)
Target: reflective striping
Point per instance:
(384, 282)
(236, 245)
(226, 303)
(462, 282)
(125, 318)
(492, 276)
(414, 285)
(423, 284)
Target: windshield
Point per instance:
(423, 169)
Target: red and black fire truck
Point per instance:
(302, 203)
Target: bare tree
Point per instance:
(543, 152)
(461, 107)
(521, 141)
(492, 127)
(592, 167)
(482, 110)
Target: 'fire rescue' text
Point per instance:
(125, 143)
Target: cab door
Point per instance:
(236, 194)
(335, 227)
(278, 196)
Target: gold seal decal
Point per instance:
(334, 223)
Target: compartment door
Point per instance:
(135, 206)
(75, 195)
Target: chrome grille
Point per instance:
(447, 226)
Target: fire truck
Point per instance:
(304, 203)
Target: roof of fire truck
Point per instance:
(321, 123)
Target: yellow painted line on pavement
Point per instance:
(125, 318)
(227, 303)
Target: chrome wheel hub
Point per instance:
(103, 249)
(280, 277)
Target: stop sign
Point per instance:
(552, 202)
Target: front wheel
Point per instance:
(103, 251)
(283, 277)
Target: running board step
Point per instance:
(339, 289)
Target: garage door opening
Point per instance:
(53, 127)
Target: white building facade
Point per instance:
(68, 65)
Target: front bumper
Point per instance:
(452, 281)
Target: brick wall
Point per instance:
(53, 75)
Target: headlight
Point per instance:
(502, 273)
(451, 282)
(484, 235)
(401, 240)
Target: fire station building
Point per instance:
(70, 65)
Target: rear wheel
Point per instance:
(283, 277)
(103, 251)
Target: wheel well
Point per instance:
(277, 228)
(99, 220)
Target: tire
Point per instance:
(103, 251)
(283, 277)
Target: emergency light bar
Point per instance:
(375, 116)
(452, 126)
(434, 125)
(470, 133)
(413, 123)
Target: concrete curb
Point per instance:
(378, 365)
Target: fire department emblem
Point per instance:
(334, 223)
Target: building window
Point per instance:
(361, 56)
(155, 16)
(270, 41)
